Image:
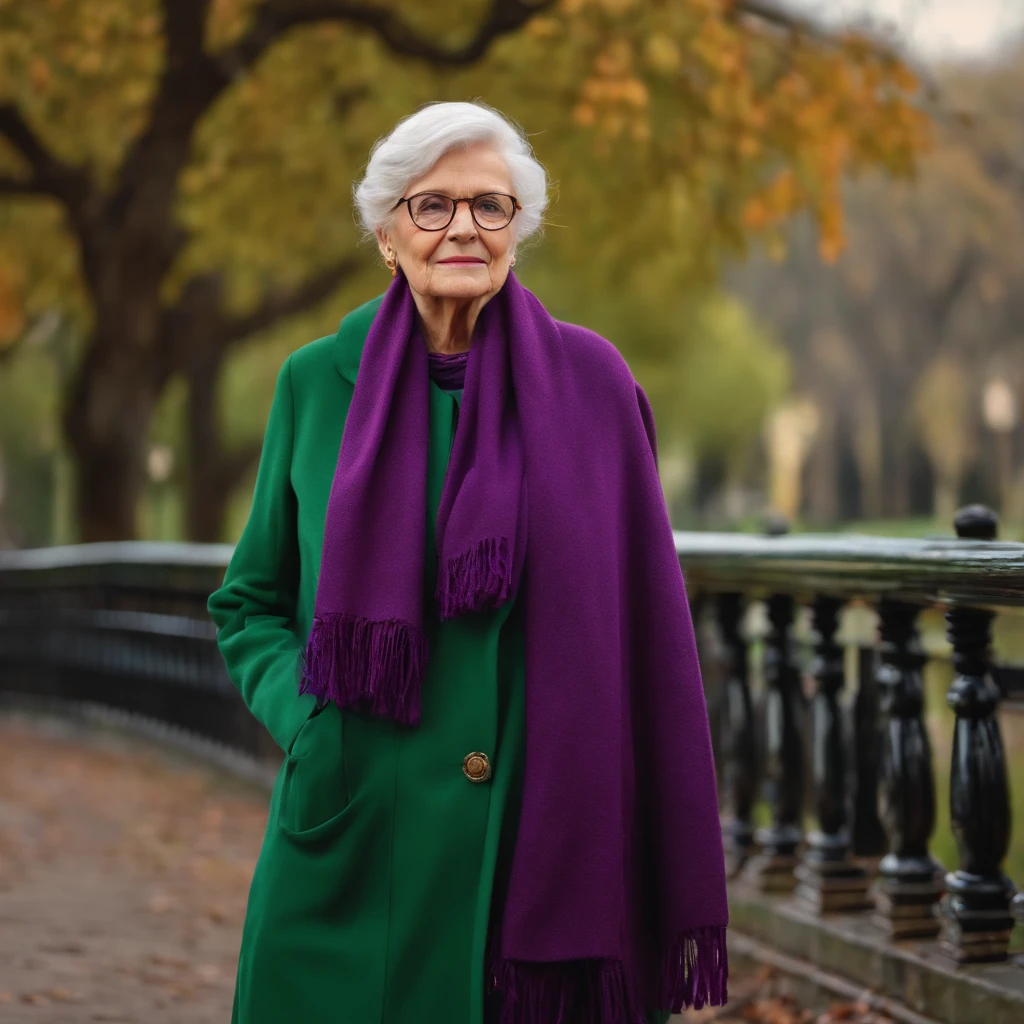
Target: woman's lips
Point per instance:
(462, 262)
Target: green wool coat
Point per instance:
(370, 902)
(372, 898)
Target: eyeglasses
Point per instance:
(432, 211)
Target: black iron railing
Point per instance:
(125, 626)
(871, 787)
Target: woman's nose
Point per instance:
(462, 223)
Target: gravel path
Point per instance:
(124, 870)
(123, 877)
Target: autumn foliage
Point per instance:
(175, 175)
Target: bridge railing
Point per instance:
(855, 762)
(125, 626)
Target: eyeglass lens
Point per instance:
(431, 210)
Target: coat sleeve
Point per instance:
(254, 609)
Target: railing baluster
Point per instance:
(867, 835)
(773, 869)
(910, 881)
(829, 880)
(739, 746)
(976, 908)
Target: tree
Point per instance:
(896, 340)
(198, 153)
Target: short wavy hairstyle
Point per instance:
(418, 141)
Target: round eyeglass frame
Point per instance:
(470, 200)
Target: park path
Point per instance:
(123, 877)
(124, 870)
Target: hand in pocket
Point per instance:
(315, 789)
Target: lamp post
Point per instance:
(999, 411)
(160, 465)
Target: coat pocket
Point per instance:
(314, 790)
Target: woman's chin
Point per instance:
(461, 286)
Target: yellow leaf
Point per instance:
(662, 53)
(584, 114)
(40, 75)
(542, 28)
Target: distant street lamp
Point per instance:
(160, 465)
(999, 411)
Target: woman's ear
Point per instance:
(383, 243)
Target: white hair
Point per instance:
(418, 141)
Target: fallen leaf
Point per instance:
(215, 912)
(62, 995)
(209, 973)
(160, 902)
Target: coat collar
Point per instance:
(351, 336)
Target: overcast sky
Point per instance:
(936, 29)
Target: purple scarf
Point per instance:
(616, 901)
(448, 369)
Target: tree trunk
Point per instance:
(868, 451)
(206, 495)
(106, 427)
(212, 474)
(899, 475)
(108, 484)
(822, 472)
(946, 496)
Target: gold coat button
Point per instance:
(476, 767)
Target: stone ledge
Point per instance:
(914, 973)
(809, 985)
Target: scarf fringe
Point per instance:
(567, 991)
(695, 971)
(477, 580)
(694, 974)
(373, 666)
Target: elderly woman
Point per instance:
(457, 608)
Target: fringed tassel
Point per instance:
(555, 993)
(477, 580)
(374, 666)
(695, 971)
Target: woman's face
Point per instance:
(463, 261)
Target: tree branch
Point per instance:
(282, 303)
(189, 85)
(184, 28)
(274, 18)
(50, 175)
(941, 304)
(774, 15)
(198, 323)
(21, 187)
(771, 13)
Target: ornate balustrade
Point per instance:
(125, 625)
(122, 625)
(860, 765)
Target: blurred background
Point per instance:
(800, 222)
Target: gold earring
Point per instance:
(391, 261)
